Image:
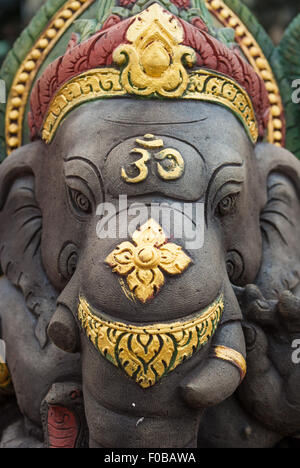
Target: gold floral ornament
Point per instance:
(154, 59)
(147, 353)
(143, 262)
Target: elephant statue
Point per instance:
(150, 294)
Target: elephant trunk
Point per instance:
(225, 368)
(160, 335)
(159, 415)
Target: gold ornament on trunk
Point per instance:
(143, 262)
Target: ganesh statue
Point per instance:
(149, 229)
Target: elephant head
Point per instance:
(149, 304)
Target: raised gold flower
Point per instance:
(144, 263)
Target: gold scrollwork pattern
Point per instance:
(208, 86)
(256, 57)
(147, 353)
(152, 64)
(26, 74)
(231, 355)
(154, 59)
(98, 83)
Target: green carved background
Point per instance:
(284, 59)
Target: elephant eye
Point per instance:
(80, 201)
(226, 205)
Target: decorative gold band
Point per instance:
(213, 87)
(232, 356)
(71, 10)
(148, 353)
(5, 378)
(89, 86)
(258, 60)
(26, 74)
(201, 85)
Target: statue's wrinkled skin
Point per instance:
(251, 236)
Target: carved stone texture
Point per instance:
(150, 246)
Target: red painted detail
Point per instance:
(76, 394)
(182, 3)
(215, 55)
(125, 3)
(97, 52)
(199, 23)
(73, 41)
(62, 427)
(111, 21)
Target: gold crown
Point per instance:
(153, 64)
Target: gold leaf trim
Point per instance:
(107, 82)
(257, 59)
(213, 87)
(154, 59)
(26, 74)
(147, 353)
(231, 355)
(94, 84)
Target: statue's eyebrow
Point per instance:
(92, 166)
(133, 123)
(213, 176)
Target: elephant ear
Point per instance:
(20, 236)
(280, 222)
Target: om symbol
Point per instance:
(174, 166)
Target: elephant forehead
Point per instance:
(155, 163)
(141, 146)
(94, 129)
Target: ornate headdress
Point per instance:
(209, 50)
(151, 54)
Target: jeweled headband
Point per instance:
(153, 54)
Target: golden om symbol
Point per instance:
(140, 164)
(175, 162)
